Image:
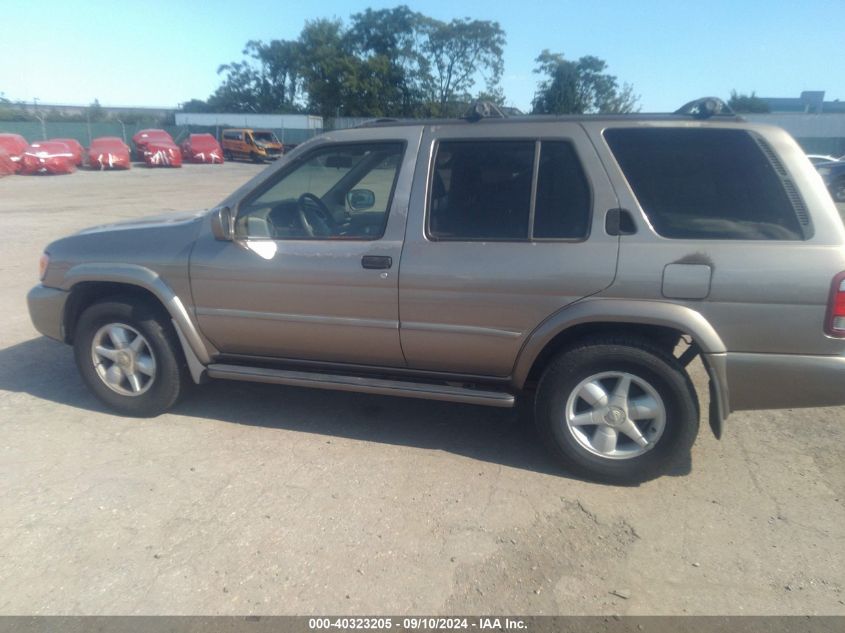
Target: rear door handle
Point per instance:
(376, 262)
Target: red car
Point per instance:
(7, 165)
(201, 148)
(47, 157)
(14, 145)
(162, 154)
(109, 152)
(144, 137)
(75, 147)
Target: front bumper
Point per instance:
(784, 381)
(47, 310)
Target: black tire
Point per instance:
(257, 159)
(170, 371)
(227, 155)
(646, 363)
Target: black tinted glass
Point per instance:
(705, 183)
(562, 207)
(481, 190)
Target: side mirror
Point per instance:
(223, 224)
(360, 199)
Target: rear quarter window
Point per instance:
(705, 183)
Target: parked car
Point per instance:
(109, 152)
(7, 165)
(201, 148)
(255, 145)
(833, 175)
(14, 145)
(47, 157)
(75, 147)
(142, 139)
(162, 153)
(819, 159)
(553, 261)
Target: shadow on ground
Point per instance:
(45, 369)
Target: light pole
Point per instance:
(40, 117)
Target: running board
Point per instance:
(378, 386)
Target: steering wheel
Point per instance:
(309, 203)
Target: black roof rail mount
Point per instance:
(483, 110)
(705, 108)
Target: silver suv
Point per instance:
(578, 264)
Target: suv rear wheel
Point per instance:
(617, 410)
(128, 355)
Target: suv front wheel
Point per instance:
(617, 410)
(128, 355)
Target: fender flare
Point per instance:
(140, 276)
(660, 313)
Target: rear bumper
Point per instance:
(784, 381)
(46, 310)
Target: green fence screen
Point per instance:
(84, 132)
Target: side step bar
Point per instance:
(379, 386)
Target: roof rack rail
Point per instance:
(483, 110)
(372, 122)
(705, 108)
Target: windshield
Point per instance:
(266, 137)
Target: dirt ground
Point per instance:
(271, 500)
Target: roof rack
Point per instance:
(483, 110)
(374, 122)
(705, 108)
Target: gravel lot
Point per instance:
(261, 499)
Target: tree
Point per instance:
(329, 70)
(387, 63)
(267, 81)
(460, 51)
(396, 37)
(195, 105)
(579, 87)
(747, 103)
(96, 112)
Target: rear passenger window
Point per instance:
(705, 183)
(562, 209)
(481, 190)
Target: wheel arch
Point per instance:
(87, 283)
(660, 322)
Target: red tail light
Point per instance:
(834, 324)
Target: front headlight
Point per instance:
(43, 263)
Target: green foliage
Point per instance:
(747, 103)
(459, 50)
(389, 40)
(579, 87)
(195, 105)
(386, 63)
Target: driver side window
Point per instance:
(337, 192)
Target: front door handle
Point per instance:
(376, 262)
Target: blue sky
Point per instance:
(164, 52)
